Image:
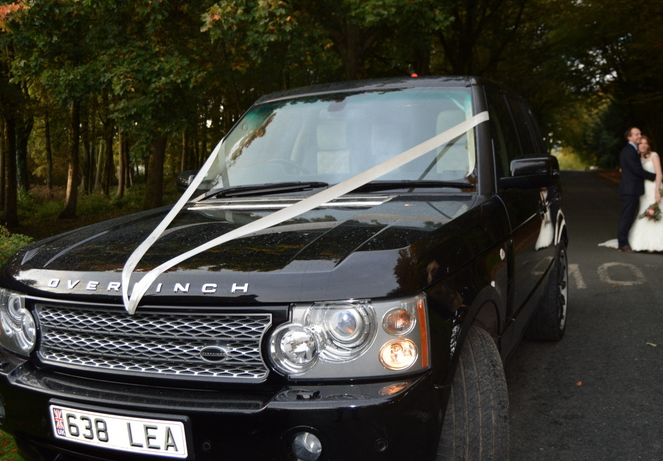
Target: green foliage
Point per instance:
(10, 243)
(39, 212)
(34, 208)
(139, 53)
(569, 160)
(267, 34)
(314, 35)
(610, 49)
(160, 68)
(8, 446)
(54, 41)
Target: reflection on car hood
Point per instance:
(322, 254)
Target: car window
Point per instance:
(503, 132)
(536, 132)
(521, 118)
(333, 138)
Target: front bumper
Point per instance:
(353, 421)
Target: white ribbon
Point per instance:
(314, 201)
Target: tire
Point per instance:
(476, 423)
(549, 321)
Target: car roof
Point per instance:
(376, 84)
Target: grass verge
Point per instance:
(8, 451)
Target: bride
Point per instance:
(647, 232)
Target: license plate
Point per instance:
(124, 433)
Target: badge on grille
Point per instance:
(213, 354)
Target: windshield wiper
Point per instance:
(412, 184)
(263, 189)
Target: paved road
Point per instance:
(598, 393)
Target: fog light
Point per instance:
(399, 354)
(306, 447)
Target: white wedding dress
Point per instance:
(645, 234)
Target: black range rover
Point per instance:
(342, 280)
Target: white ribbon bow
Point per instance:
(140, 288)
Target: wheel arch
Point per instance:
(481, 310)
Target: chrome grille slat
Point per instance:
(157, 343)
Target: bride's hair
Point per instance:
(648, 153)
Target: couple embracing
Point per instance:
(640, 192)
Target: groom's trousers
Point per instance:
(630, 205)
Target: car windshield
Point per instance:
(330, 138)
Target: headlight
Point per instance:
(344, 329)
(19, 331)
(352, 339)
(295, 348)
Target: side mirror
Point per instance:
(184, 179)
(529, 173)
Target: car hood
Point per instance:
(366, 247)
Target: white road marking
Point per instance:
(638, 276)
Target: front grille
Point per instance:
(161, 344)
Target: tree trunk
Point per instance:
(11, 192)
(23, 129)
(107, 133)
(3, 156)
(110, 162)
(49, 152)
(107, 169)
(126, 146)
(90, 152)
(98, 165)
(85, 161)
(351, 43)
(201, 150)
(122, 166)
(154, 192)
(71, 199)
(184, 161)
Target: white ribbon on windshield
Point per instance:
(278, 217)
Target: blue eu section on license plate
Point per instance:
(122, 433)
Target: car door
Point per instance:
(528, 249)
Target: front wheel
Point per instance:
(476, 423)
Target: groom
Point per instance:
(631, 187)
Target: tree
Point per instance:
(158, 81)
(317, 36)
(480, 33)
(10, 205)
(11, 104)
(71, 201)
(359, 29)
(153, 68)
(610, 50)
(54, 42)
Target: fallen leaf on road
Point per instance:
(579, 383)
(651, 344)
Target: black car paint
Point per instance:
(322, 249)
(479, 266)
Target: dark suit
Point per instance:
(631, 187)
